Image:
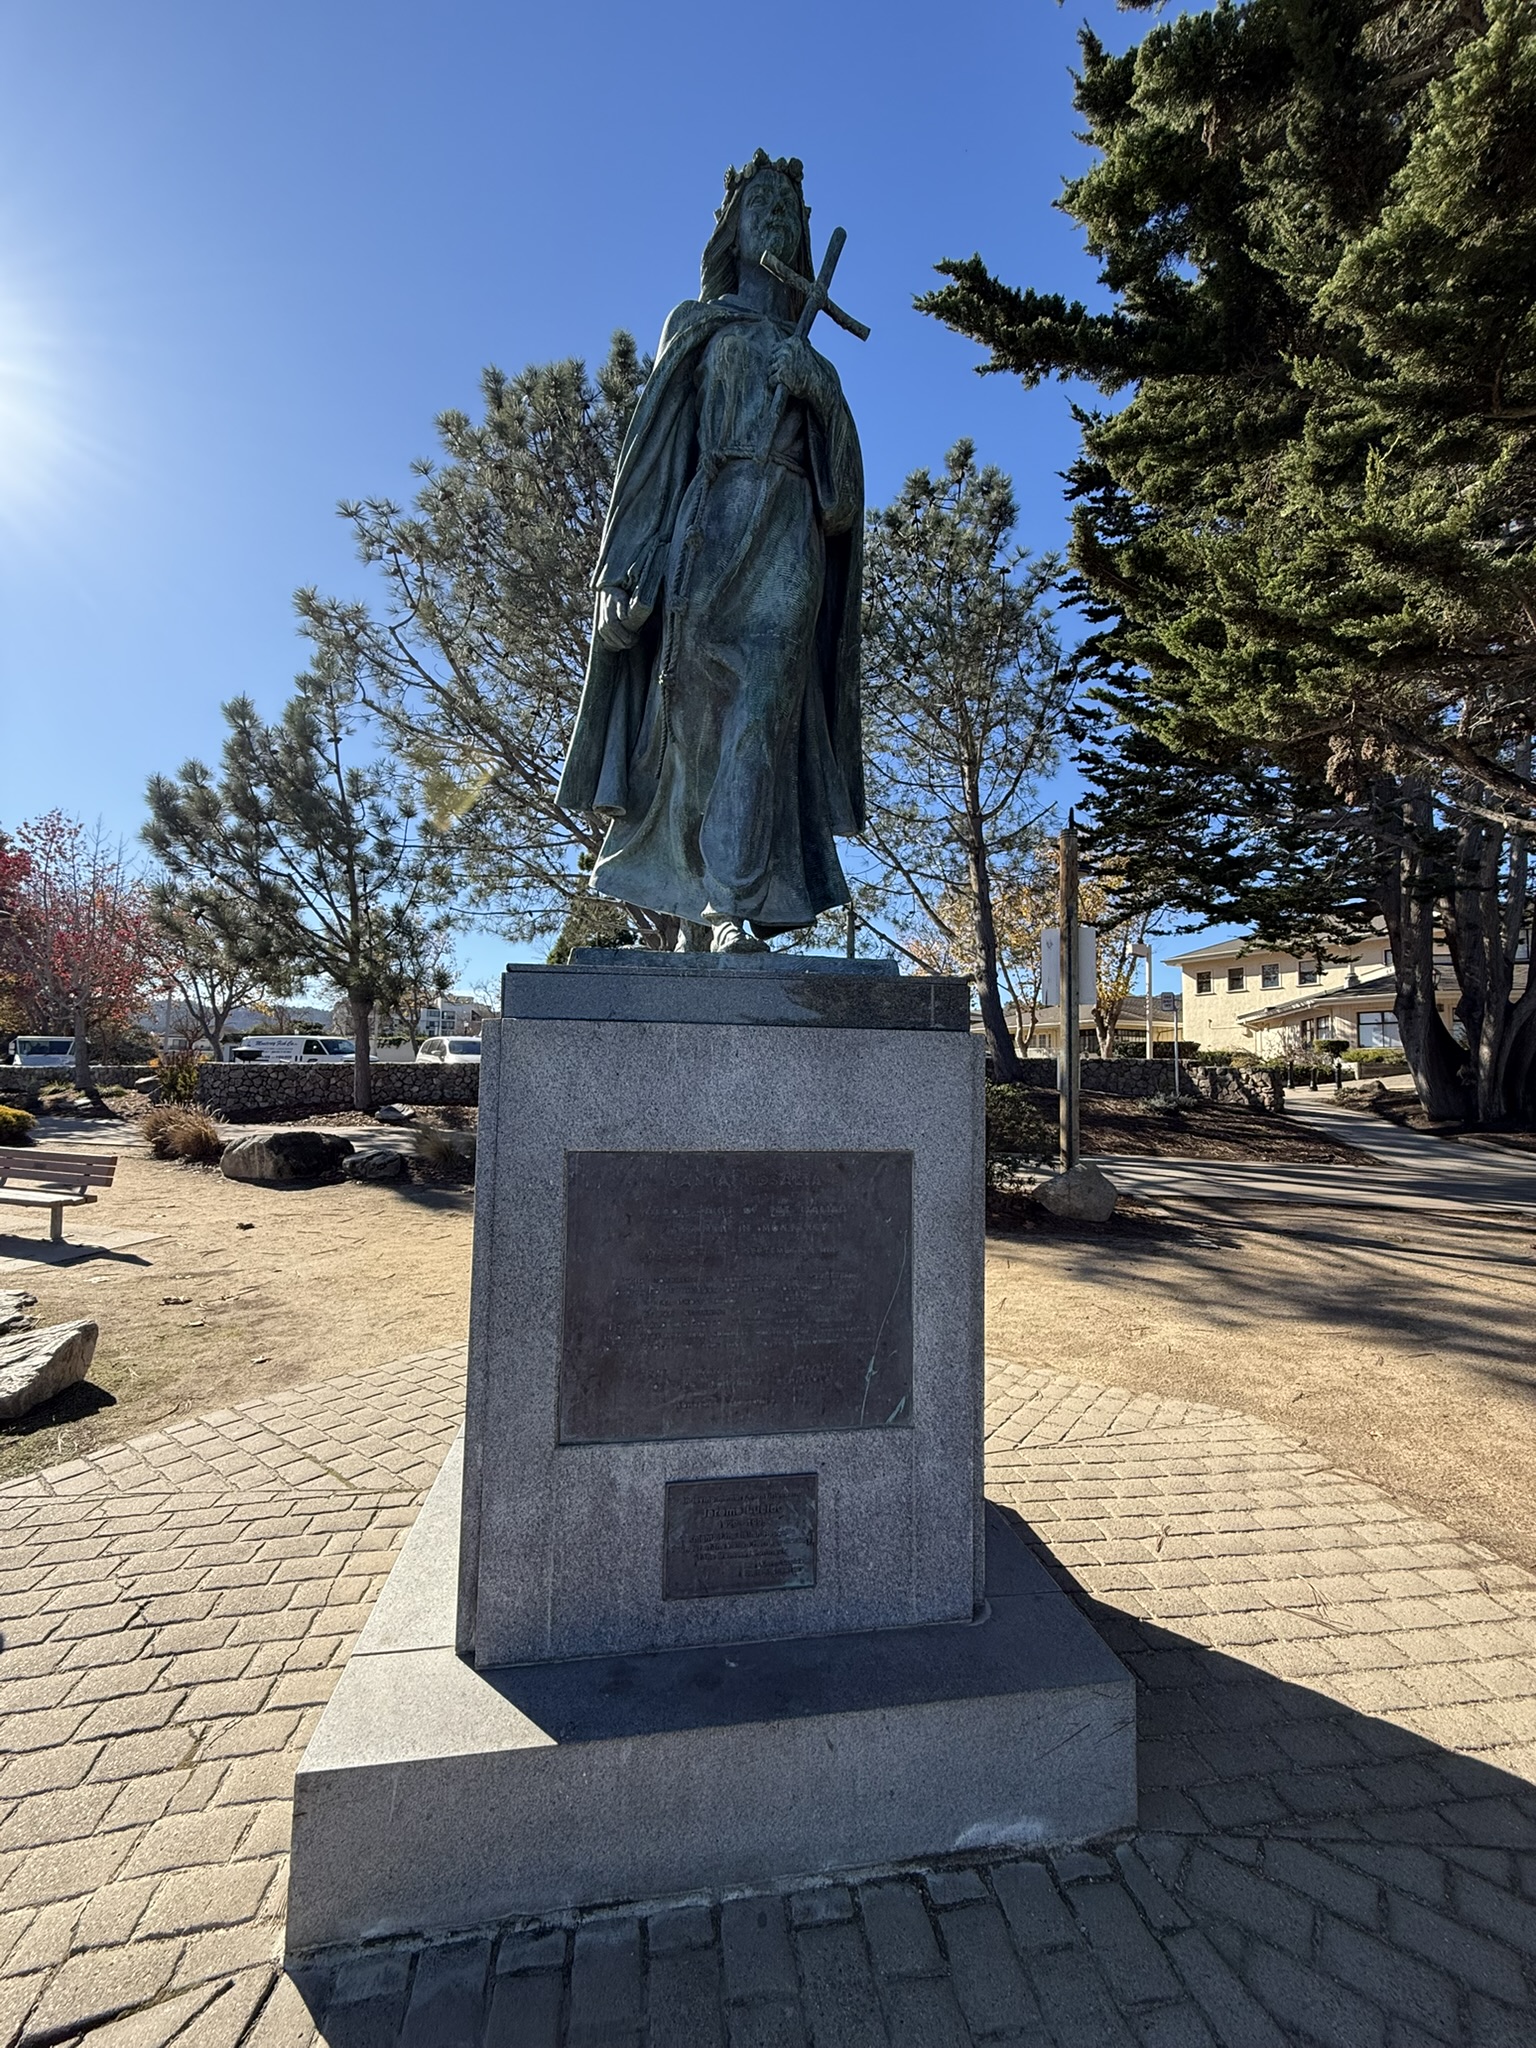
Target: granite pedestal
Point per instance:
(712, 1602)
(435, 1797)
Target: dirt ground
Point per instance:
(322, 1281)
(1397, 1347)
(1195, 1130)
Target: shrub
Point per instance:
(1373, 1055)
(16, 1127)
(445, 1151)
(1211, 1059)
(1017, 1133)
(176, 1132)
(178, 1077)
(1165, 1102)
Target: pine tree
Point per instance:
(473, 658)
(312, 850)
(965, 698)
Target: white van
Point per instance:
(44, 1052)
(453, 1051)
(306, 1051)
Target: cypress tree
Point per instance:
(1304, 543)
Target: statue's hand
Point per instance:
(796, 365)
(619, 619)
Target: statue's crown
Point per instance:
(788, 166)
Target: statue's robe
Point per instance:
(724, 746)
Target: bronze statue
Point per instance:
(718, 731)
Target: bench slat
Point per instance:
(75, 1169)
(44, 1198)
(31, 1154)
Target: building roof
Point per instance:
(1222, 950)
(1244, 943)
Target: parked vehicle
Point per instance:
(449, 1051)
(307, 1051)
(44, 1052)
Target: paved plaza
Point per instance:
(1338, 1766)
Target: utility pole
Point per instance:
(1071, 1047)
(853, 930)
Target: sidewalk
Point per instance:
(1338, 1759)
(1406, 1169)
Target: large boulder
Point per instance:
(373, 1164)
(1080, 1195)
(281, 1158)
(37, 1364)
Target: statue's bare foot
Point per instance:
(735, 938)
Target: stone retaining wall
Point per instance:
(244, 1087)
(17, 1081)
(1239, 1087)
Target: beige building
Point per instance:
(1240, 998)
(1130, 1031)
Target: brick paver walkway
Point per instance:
(1338, 1717)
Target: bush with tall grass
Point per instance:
(175, 1132)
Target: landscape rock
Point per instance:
(1080, 1195)
(281, 1158)
(37, 1364)
(377, 1165)
(392, 1113)
(14, 1303)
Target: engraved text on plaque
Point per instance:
(735, 1294)
(754, 1535)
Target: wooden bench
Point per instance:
(53, 1180)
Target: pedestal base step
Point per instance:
(434, 1797)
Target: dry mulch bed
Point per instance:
(1195, 1130)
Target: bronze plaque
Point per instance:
(735, 1294)
(753, 1535)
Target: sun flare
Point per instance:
(40, 442)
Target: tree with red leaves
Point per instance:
(14, 1004)
(76, 931)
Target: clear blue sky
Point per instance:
(248, 253)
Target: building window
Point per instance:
(1377, 1027)
(1269, 977)
(1237, 979)
(1306, 977)
(1202, 984)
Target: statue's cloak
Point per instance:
(657, 494)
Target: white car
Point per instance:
(449, 1051)
(307, 1051)
(44, 1052)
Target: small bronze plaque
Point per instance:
(735, 1294)
(753, 1535)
